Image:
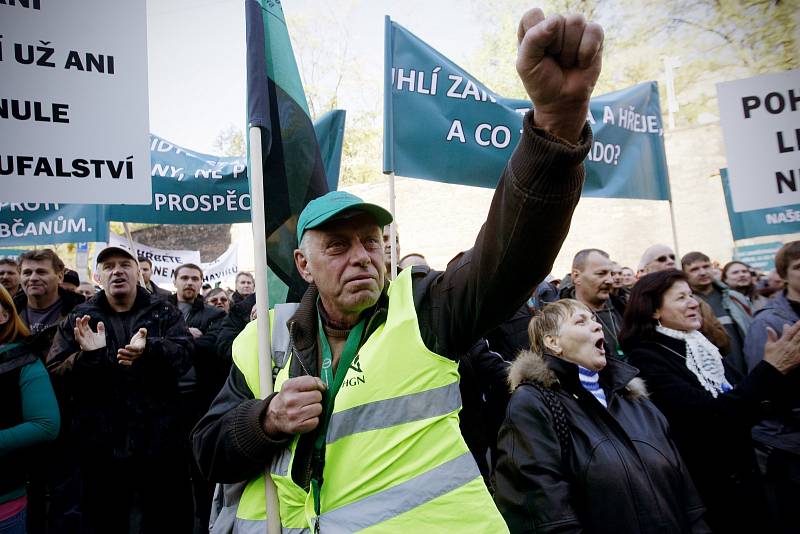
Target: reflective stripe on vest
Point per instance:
(401, 498)
(257, 526)
(395, 459)
(391, 412)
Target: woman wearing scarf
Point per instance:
(582, 449)
(29, 414)
(710, 407)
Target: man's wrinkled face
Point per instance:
(345, 259)
(39, 278)
(593, 284)
(700, 274)
(146, 270)
(119, 276)
(245, 285)
(187, 284)
(9, 278)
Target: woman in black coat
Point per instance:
(582, 449)
(710, 407)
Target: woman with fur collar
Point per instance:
(582, 449)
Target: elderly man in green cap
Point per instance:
(362, 432)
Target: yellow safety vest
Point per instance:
(395, 460)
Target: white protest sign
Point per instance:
(164, 261)
(73, 102)
(760, 120)
(223, 268)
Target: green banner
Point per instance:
(35, 223)
(757, 223)
(190, 187)
(442, 124)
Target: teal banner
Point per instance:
(35, 223)
(757, 223)
(442, 124)
(761, 257)
(12, 253)
(194, 188)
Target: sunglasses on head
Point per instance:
(663, 259)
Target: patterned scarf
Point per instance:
(702, 359)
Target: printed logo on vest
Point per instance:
(357, 380)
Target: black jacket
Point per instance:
(120, 411)
(622, 472)
(230, 327)
(159, 292)
(211, 370)
(528, 220)
(713, 434)
(484, 395)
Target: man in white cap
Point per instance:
(122, 353)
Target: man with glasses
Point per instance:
(656, 258)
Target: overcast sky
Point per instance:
(196, 54)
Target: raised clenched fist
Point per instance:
(558, 61)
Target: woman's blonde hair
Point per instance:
(14, 328)
(548, 321)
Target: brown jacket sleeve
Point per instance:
(528, 220)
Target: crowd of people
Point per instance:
(489, 397)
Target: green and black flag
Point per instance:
(293, 169)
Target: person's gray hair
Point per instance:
(579, 261)
(303, 244)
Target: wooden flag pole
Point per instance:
(259, 224)
(393, 226)
(674, 230)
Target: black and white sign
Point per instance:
(164, 261)
(760, 120)
(73, 102)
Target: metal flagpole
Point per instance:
(133, 251)
(259, 224)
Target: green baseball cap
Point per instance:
(330, 205)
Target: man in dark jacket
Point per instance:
(778, 439)
(200, 384)
(123, 352)
(201, 320)
(343, 257)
